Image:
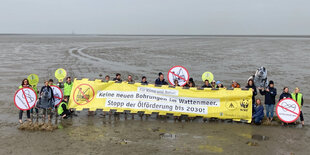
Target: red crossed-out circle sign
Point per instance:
(288, 110)
(179, 73)
(58, 95)
(83, 94)
(25, 98)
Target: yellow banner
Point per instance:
(223, 104)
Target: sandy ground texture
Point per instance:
(229, 58)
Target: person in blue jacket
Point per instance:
(258, 112)
(270, 94)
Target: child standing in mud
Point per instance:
(46, 100)
(25, 84)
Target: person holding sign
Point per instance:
(285, 94)
(258, 112)
(160, 80)
(25, 84)
(130, 80)
(299, 99)
(143, 80)
(207, 84)
(68, 88)
(117, 77)
(270, 94)
(235, 84)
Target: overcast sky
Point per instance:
(199, 17)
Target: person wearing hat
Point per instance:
(297, 96)
(270, 94)
(219, 84)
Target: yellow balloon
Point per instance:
(207, 76)
(60, 74)
(33, 79)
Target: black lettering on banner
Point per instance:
(115, 104)
(195, 109)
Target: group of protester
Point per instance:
(46, 98)
(270, 94)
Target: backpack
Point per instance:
(47, 93)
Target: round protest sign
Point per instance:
(83, 94)
(60, 74)
(179, 73)
(207, 76)
(288, 110)
(33, 79)
(25, 98)
(58, 95)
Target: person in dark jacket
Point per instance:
(46, 100)
(285, 94)
(160, 80)
(258, 112)
(190, 83)
(206, 85)
(143, 81)
(251, 85)
(117, 78)
(270, 94)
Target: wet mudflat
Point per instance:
(88, 56)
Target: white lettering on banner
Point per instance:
(158, 91)
(159, 98)
(121, 103)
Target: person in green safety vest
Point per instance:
(68, 87)
(63, 110)
(299, 99)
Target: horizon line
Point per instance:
(209, 35)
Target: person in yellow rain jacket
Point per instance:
(297, 96)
